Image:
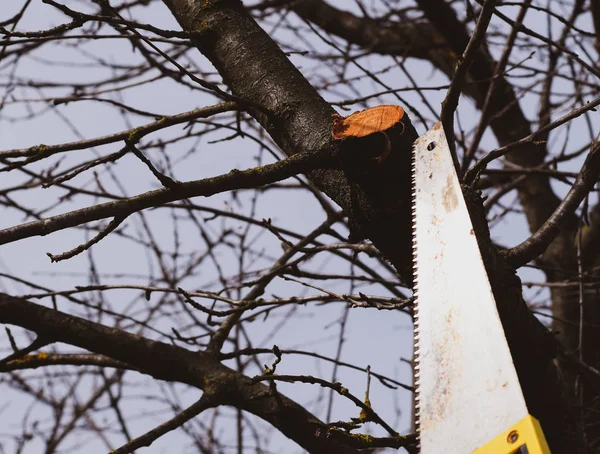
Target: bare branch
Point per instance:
(235, 179)
(539, 241)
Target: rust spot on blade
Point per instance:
(448, 373)
(450, 200)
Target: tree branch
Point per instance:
(42, 151)
(173, 363)
(120, 209)
(375, 197)
(409, 38)
(529, 140)
(204, 403)
(537, 243)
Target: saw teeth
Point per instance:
(416, 354)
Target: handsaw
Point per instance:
(468, 396)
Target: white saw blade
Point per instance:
(467, 387)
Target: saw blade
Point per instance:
(467, 389)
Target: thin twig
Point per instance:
(336, 386)
(165, 180)
(177, 421)
(112, 225)
(140, 131)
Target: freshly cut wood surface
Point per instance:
(365, 122)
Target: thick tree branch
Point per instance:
(375, 197)
(173, 363)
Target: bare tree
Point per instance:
(184, 294)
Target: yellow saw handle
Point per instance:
(525, 437)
